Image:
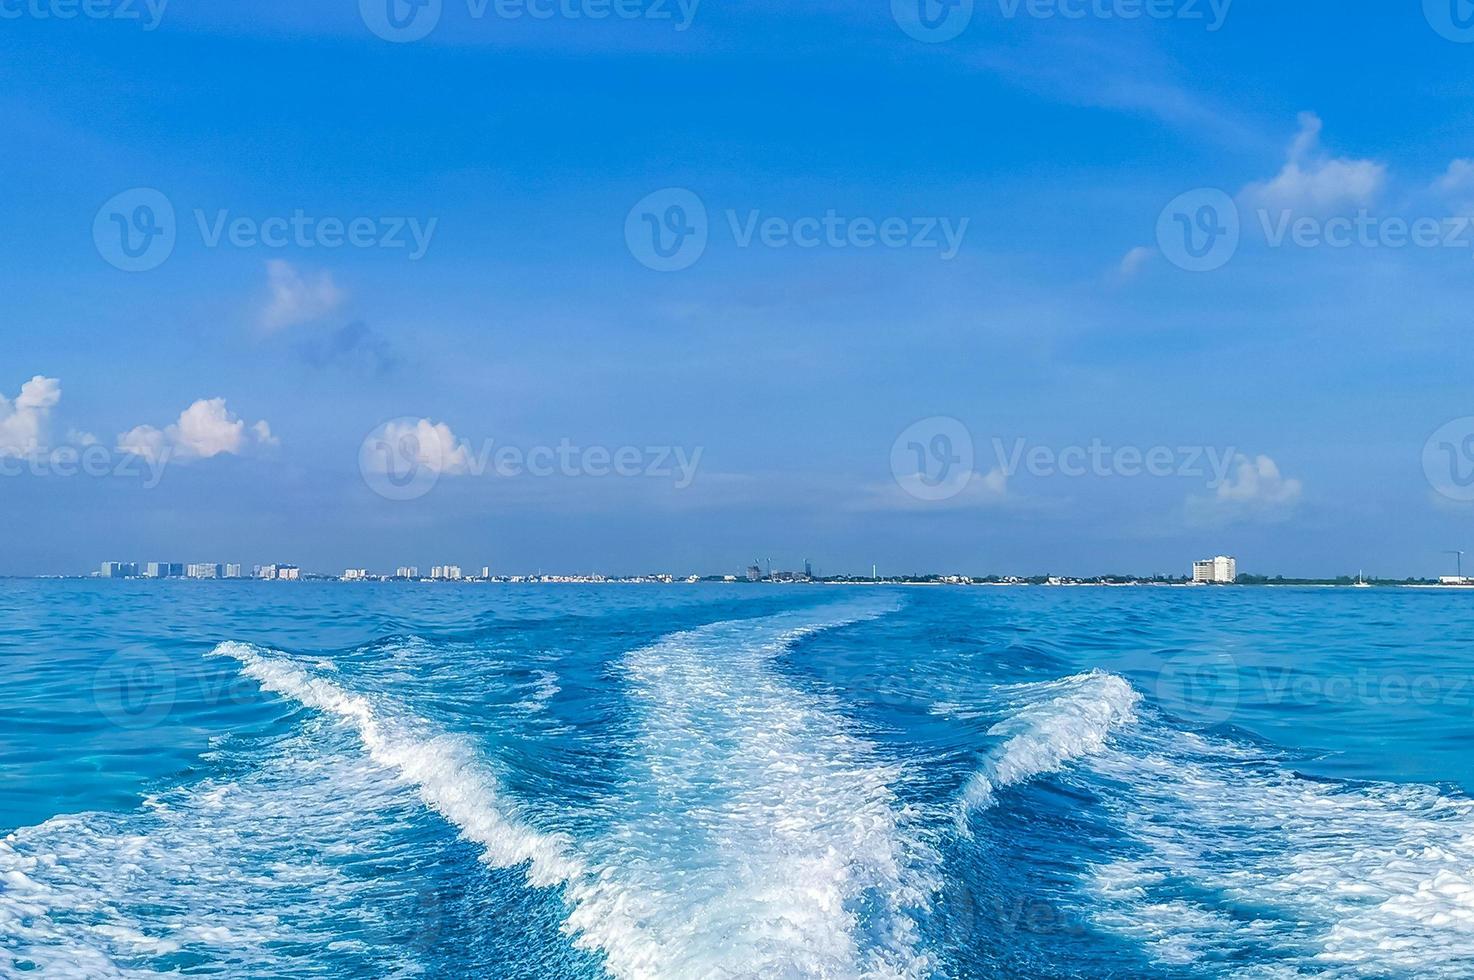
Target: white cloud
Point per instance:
(1314, 182)
(1133, 260)
(295, 299)
(204, 430)
(1458, 179)
(418, 443)
(25, 423)
(1456, 185)
(1254, 490)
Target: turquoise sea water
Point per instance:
(303, 780)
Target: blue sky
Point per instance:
(785, 376)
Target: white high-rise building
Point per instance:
(1217, 571)
(407, 571)
(355, 574)
(232, 571)
(450, 572)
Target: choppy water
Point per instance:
(299, 780)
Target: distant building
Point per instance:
(754, 573)
(407, 571)
(204, 570)
(355, 574)
(486, 571)
(1217, 571)
(232, 571)
(162, 569)
(451, 573)
(279, 573)
(111, 569)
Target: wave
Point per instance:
(1052, 723)
(761, 834)
(445, 769)
(238, 872)
(1233, 855)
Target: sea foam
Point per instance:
(1237, 855)
(1051, 724)
(762, 834)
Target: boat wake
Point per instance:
(1049, 725)
(760, 835)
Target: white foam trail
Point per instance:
(446, 771)
(763, 837)
(1340, 880)
(1059, 721)
(229, 871)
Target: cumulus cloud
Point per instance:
(25, 423)
(1254, 490)
(417, 444)
(1312, 181)
(204, 430)
(295, 299)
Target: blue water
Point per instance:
(302, 780)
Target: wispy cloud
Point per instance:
(294, 298)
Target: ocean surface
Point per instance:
(286, 780)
